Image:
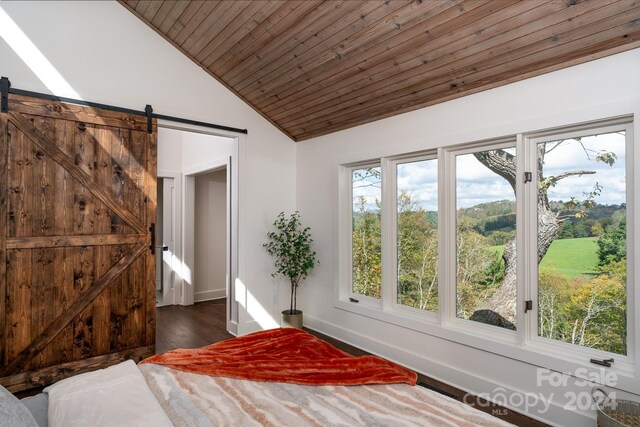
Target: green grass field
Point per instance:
(569, 257)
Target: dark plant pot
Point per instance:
(292, 319)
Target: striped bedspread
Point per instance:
(200, 400)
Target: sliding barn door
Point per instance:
(77, 199)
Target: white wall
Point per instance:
(600, 89)
(210, 269)
(100, 52)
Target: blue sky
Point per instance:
(571, 156)
(477, 184)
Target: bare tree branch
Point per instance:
(501, 162)
(558, 143)
(564, 175)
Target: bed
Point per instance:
(228, 384)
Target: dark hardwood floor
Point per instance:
(192, 326)
(204, 323)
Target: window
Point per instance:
(516, 246)
(582, 240)
(366, 240)
(486, 236)
(417, 234)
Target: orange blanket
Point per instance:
(284, 355)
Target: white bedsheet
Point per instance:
(115, 396)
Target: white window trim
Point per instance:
(351, 296)
(390, 238)
(516, 346)
(448, 207)
(624, 363)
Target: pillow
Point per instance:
(38, 405)
(13, 412)
(115, 396)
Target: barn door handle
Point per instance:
(152, 230)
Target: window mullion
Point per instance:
(345, 218)
(526, 237)
(446, 236)
(633, 248)
(388, 226)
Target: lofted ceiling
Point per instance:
(315, 67)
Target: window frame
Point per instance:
(562, 349)
(366, 300)
(391, 210)
(443, 324)
(449, 210)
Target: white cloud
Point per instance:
(420, 179)
(571, 156)
(476, 184)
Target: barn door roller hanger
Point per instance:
(5, 84)
(5, 88)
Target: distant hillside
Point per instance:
(491, 209)
(595, 213)
(487, 218)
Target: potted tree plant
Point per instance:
(290, 245)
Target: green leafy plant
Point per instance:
(290, 245)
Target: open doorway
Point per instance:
(210, 235)
(196, 235)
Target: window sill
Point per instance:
(501, 343)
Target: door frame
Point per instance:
(176, 295)
(223, 163)
(234, 217)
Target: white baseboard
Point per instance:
(209, 295)
(454, 376)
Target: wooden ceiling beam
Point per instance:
(163, 12)
(464, 52)
(443, 46)
(190, 26)
(152, 10)
(263, 34)
(142, 6)
(244, 24)
(228, 17)
(215, 21)
(352, 22)
(192, 7)
(172, 17)
(414, 96)
(455, 82)
(605, 49)
(303, 29)
(383, 38)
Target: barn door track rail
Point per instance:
(6, 89)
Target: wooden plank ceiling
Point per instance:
(314, 67)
